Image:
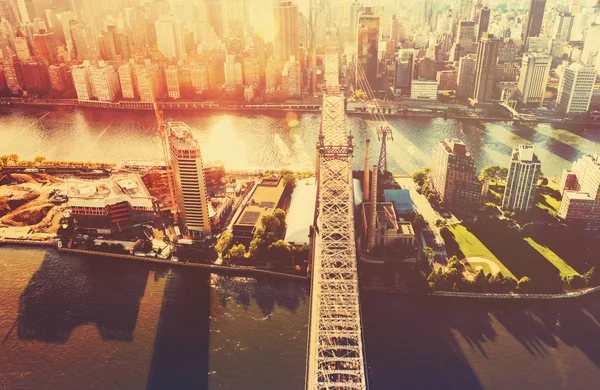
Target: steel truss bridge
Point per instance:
(335, 358)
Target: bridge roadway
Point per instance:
(335, 358)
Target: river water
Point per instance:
(80, 322)
(281, 140)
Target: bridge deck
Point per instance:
(335, 349)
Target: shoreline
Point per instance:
(276, 107)
(240, 270)
(249, 271)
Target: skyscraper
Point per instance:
(233, 72)
(533, 23)
(427, 12)
(81, 81)
(403, 75)
(487, 54)
(169, 37)
(286, 36)
(85, 42)
(45, 45)
(291, 78)
(367, 64)
(465, 37)
(575, 88)
(523, 175)
(483, 23)
(562, 27)
(535, 70)
(591, 47)
(128, 81)
(189, 180)
(466, 76)
(453, 175)
(466, 10)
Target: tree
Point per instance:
(280, 214)
(428, 254)
(258, 248)
(224, 244)
(39, 160)
(524, 285)
(13, 159)
(591, 277)
(237, 251)
(418, 222)
(4, 160)
(440, 222)
(419, 177)
(490, 173)
(454, 262)
(544, 181)
(279, 251)
(270, 224)
(503, 174)
(289, 180)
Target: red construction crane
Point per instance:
(165, 146)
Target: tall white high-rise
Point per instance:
(169, 36)
(189, 180)
(535, 70)
(81, 81)
(105, 82)
(128, 80)
(233, 71)
(591, 47)
(172, 78)
(575, 89)
(523, 174)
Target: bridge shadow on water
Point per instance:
(64, 294)
(416, 342)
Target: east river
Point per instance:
(75, 322)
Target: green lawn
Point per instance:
(546, 200)
(471, 246)
(564, 268)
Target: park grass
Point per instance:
(470, 246)
(564, 268)
(546, 201)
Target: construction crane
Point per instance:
(165, 147)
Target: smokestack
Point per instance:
(371, 235)
(366, 177)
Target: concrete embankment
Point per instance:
(456, 294)
(232, 270)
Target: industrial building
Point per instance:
(110, 205)
(269, 195)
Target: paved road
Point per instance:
(423, 207)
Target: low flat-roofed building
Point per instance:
(267, 196)
(301, 212)
(401, 200)
(389, 229)
(110, 205)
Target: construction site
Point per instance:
(30, 203)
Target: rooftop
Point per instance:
(264, 200)
(300, 215)
(525, 153)
(181, 136)
(400, 199)
(104, 192)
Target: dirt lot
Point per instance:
(24, 201)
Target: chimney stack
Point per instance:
(366, 177)
(371, 235)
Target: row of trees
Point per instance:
(423, 179)
(266, 245)
(41, 161)
(589, 279)
(452, 278)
